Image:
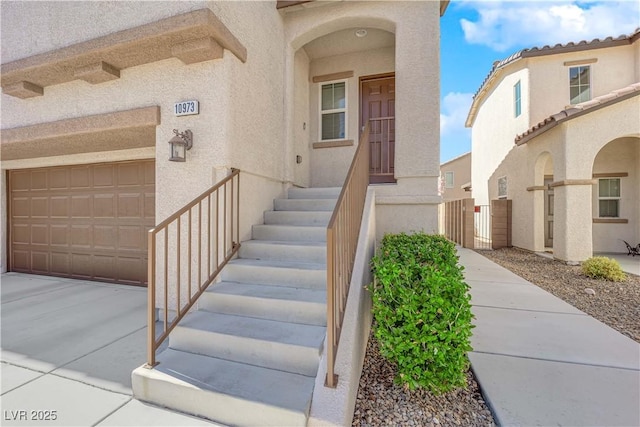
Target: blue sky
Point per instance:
(474, 34)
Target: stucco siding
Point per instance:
(461, 168)
(302, 120)
(495, 128)
(549, 90)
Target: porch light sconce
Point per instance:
(361, 33)
(180, 143)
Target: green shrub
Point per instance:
(599, 267)
(422, 311)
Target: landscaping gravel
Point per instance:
(381, 402)
(616, 304)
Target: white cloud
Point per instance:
(503, 25)
(453, 112)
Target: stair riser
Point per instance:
(297, 218)
(297, 278)
(284, 233)
(284, 357)
(304, 205)
(307, 313)
(219, 407)
(313, 193)
(312, 254)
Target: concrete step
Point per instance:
(289, 347)
(292, 233)
(276, 273)
(314, 193)
(315, 252)
(304, 204)
(318, 218)
(223, 391)
(282, 303)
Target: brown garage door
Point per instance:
(83, 221)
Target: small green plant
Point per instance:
(422, 311)
(599, 267)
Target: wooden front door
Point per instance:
(377, 107)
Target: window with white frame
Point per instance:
(579, 84)
(609, 198)
(502, 187)
(517, 99)
(448, 180)
(333, 111)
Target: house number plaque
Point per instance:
(186, 108)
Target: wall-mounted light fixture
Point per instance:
(180, 143)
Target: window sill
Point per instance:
(610, 221)
(331, 144)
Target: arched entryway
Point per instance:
(343, 70)
(616, 195)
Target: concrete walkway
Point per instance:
(68, 347)
(540, 361)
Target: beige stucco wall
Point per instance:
(549, 77)
(330, 165)
(301, 120)
(495, 128)
(461, 168)
(601, 141)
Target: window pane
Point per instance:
(584, 76)
(614, 188)
(338, 95)
(603, 190)
(574, 94)
(448, 179)
(574, 74)
(327, 97)
(608, 208)
(333, 126)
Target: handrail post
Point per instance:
(151, 300)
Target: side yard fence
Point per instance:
(477, 226)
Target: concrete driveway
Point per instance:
(67, 351)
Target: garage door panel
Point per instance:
(59, 206)
(39, 180)
(104, 206)
(40, 235)
(104, 237)
(129, 268)
(81, 206)
(58, 179)
(80, 177)
(39, 207)
(131, 238)
(39, 262)
(103, 176)
(20, 207)
(20, 234)
(129, 175)
(104, 266)
(83, 221)
(129, 205)
(59, 261)
(21, 260)
(59, 235)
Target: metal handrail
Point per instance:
(342, 241)
(222, 216)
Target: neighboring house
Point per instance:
(92, 92)
(557, 130)
(455, 176)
